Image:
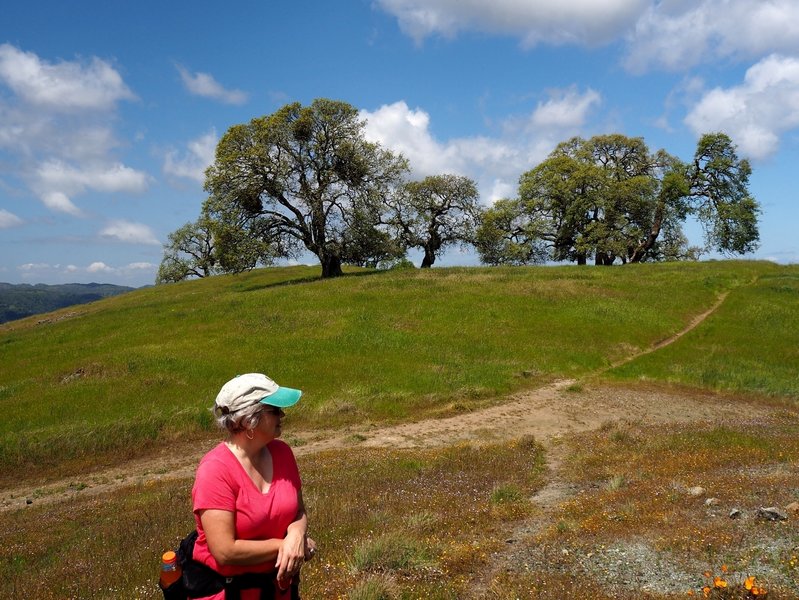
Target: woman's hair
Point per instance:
(240, 420)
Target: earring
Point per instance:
(250, 434)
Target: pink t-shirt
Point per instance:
(222, 483)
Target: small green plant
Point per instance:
(617, 482)
(505, 493)
(422, 522)
(564, 527)
(620, 436)
(391, 552)
(376, 587)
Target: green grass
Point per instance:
(750, 345)
(128, 375)
(135, 372)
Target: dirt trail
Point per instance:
(547, 413)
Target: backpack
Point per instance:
(199, 580)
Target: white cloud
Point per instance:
(140, 266)
(55, 181)
(677, 34)
(495, 163)
(671, 34)
(755, 112)
(102, 178)
(565, 109)
(33, 267)
(130, 233)
(542, 21)
(403, 130)
(192, 164)
(9, 219)
(59, 202)
(203, 84)
(62, 86)
(99, 267)
(55, 131)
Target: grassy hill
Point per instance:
(129, 375)
(141, 369)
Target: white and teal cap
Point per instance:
(245, 390)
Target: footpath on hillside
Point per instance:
(547, 413)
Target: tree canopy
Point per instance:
(435, 213)
(305, 179)
(610, 198)
(307, 176)
(188, 253)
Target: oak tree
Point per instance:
(307, 176)
(188, 253)
(435, 213)
(611, 199)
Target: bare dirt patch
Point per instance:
(548, 414)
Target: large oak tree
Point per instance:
(308, 176)
(610, 198)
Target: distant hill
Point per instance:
(23, 300)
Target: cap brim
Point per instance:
(282, 398)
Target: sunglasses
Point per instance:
(274, 410)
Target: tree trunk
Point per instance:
(605, 259)
(429, 258)
(331, 266)
(581, 259)
(638, 254)
(657, 223)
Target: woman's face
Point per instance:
(271, 421)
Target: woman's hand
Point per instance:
(291, 555)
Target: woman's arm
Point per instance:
(291, 555)
(220, 531)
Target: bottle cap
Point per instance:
(169, 557)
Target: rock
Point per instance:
(695, 491)
(735, 513)
(712, 501)
(793, 508)
(772, 513)
(28, 501)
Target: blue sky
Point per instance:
(109, 113)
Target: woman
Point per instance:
(247, 495)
